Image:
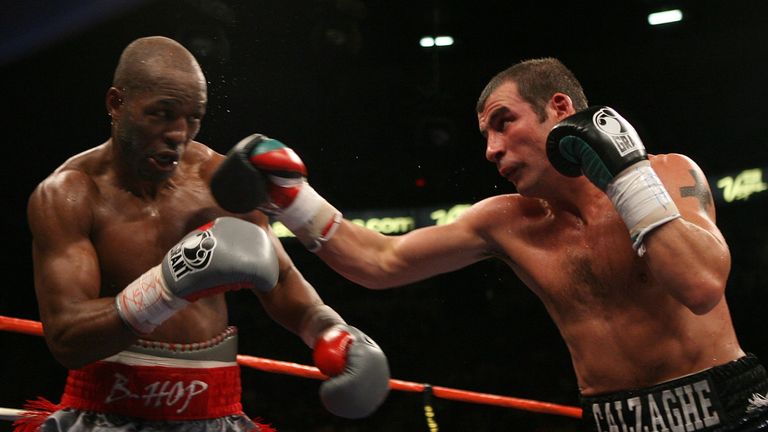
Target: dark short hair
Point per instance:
(537, 80)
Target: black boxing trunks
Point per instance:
(730, 397)
(152, 386)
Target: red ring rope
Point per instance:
(35, 328)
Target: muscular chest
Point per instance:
(582, 267)
(132, 234)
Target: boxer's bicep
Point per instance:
(694, 242)
(65, 265)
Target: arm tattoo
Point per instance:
(699, 191)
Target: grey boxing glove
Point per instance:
(358, 371)
(224, 255)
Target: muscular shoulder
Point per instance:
(685, 182)
(198, 152)
(202, 158)
(65, 199)
(501, 221)
(509, 212)
(504, 206)
(676, 170)
(673, 165)
(672, 161)
(72, 181)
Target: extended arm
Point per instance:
(377, 261)
(264, 172)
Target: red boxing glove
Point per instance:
(285, 170)
(358, 371)
(331, 349)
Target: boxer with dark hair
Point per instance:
(132, 257)
(639, 297)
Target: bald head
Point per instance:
(149, 60)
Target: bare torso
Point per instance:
(622, 328)
(132, 233)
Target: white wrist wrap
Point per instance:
(147, 302)
(311, 218)
(642, 201)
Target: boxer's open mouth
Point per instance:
(165, 160)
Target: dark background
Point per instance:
(346, 84)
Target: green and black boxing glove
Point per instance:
(263, 173)
(600, 144)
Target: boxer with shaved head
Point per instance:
(132, 258)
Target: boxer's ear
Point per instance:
(114, 101)
(560, 106)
